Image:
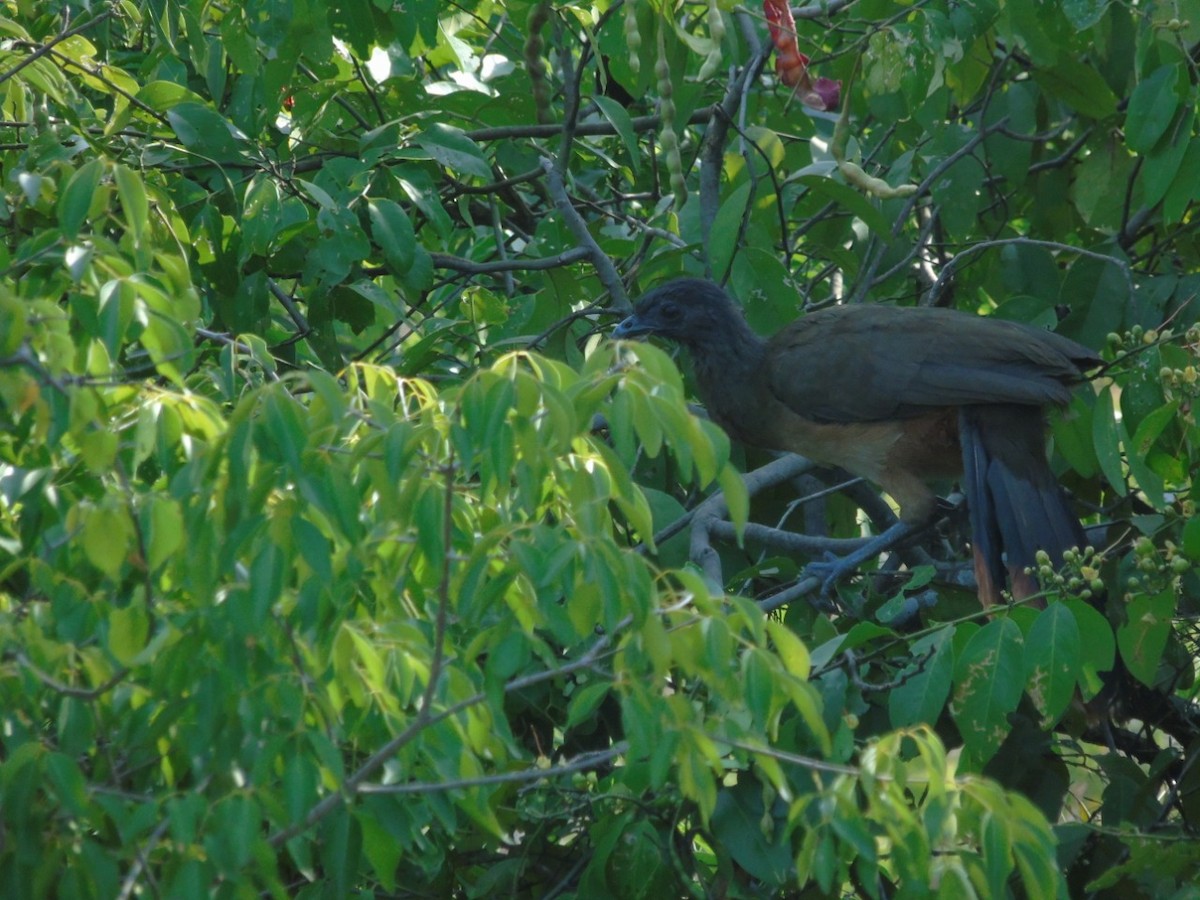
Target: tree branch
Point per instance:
(605, 269)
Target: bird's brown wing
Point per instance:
(873, 363)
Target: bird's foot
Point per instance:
(832, 570)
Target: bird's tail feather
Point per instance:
(1016, 504)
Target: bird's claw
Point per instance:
(831, 570)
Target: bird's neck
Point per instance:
(732, 351)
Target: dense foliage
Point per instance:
(341, 553)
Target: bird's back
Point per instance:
(871, 363)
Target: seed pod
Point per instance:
(854, 174)
(791, 66)
(538, 17)
(668, 139)
(716, 32)
(633, 37)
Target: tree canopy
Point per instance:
(342, 553)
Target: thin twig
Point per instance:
(354, 782)
(289, 304)
(58, 39)
(954, 264)
(68, 690)
(470, 267)
(581, 763)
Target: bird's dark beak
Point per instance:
(631, 327)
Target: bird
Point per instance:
(903, 397)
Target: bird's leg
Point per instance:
(834, 568)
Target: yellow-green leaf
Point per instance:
(107, 535)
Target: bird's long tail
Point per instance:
(1016, 504)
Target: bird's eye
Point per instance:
(670, 311)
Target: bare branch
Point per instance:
(581, 763)
(470, 267)
(605, 269)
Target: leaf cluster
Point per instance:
(341, 554)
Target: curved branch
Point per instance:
(712, 151)
(605, 269)
(581, 763)
(470, 267)
(954, 264)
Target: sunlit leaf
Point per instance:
(988, 680)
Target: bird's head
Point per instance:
(688, 311)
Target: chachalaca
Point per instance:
(901, 397)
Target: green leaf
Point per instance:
(98, 449)
(925, 682)
(342, 244)
(738, 821)
(1165, 159)
(1098, 646)
(852, 200)
(1052, 662)
(1083, 14)
(792, 651)
(161, 96)
(169, 347)
(134, 202)
(997, 853)
(76, 199)
(1148, 481)
(203, 130)
(229, 838)
(393, 233)
(262, 216)
(1191, 538)
(1108, 291)
(758, 685)
(128, 630)
(107, 538)
(1186, 185)
(300, 780)
(382, 849)
(586, 701)
(988, 679)
(1080, 85)
(1143, 637)
(66, 780)
(1152, 107)
(629, 498)
(451, 147)
(164, 530)
(619, 119)
(1073, 435)
(736, 498)
(723, 240)
(1150, 427)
